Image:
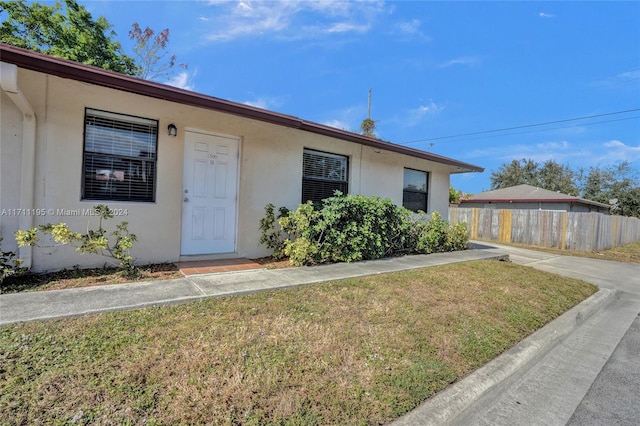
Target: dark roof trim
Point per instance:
(76, 71)
(536, 200)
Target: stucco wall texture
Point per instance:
(270, 169)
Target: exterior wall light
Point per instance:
(173, 130)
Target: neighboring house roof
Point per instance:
(76, 71)
(528, 194)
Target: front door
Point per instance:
(209, 204)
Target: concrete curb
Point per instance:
(446, 405)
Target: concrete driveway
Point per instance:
(580, 374)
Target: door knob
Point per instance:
(186, 200)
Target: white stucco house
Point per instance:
(191, 173)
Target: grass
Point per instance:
(629, 253)
(358, 352)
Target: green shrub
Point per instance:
(272, 234)
(345, 229)
(95, 241)
(8, 264)
(433, 235)
(457, 238)
(355, 227)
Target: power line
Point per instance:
(561, 127)
(521, 127)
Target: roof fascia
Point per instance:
(85, 73)
(536, 200)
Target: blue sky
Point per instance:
(437, 69)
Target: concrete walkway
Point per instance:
(40, 305)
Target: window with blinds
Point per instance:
(120, 156)
(323, 174)
(415, 190)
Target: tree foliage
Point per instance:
(618, 185)
(154, 62)
(68, 32)
(548, 175)
(456, 195)
(368, 128)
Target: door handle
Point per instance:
(186, 200)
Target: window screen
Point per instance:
(120, 156)
(323, 174)
(415, 190)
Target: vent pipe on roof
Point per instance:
(9, 84)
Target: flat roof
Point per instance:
(64, 68)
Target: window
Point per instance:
(119, 157)
(323, 174)
(415, 190)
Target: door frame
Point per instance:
(237, 177)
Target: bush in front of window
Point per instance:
(355, 227)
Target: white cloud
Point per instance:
(416, 115)
(629, 75)
(258, 103)
(409, 31)
(463, 60)
(183, 80)
(265, 102)
(546, 15)
(345, 27)
(619, 151)
(410, 27)
(348, 118)
(622, 80)
(553, 146)
(292, 19)
(561, 152)
(338, 124)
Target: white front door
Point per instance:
(210, 186)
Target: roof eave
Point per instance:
(68, 69)
(537, 200)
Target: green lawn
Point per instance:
(358, 351)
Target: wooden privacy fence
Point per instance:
(549, 228)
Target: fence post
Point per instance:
(563, 244)
(504, 235)
(475, 222)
